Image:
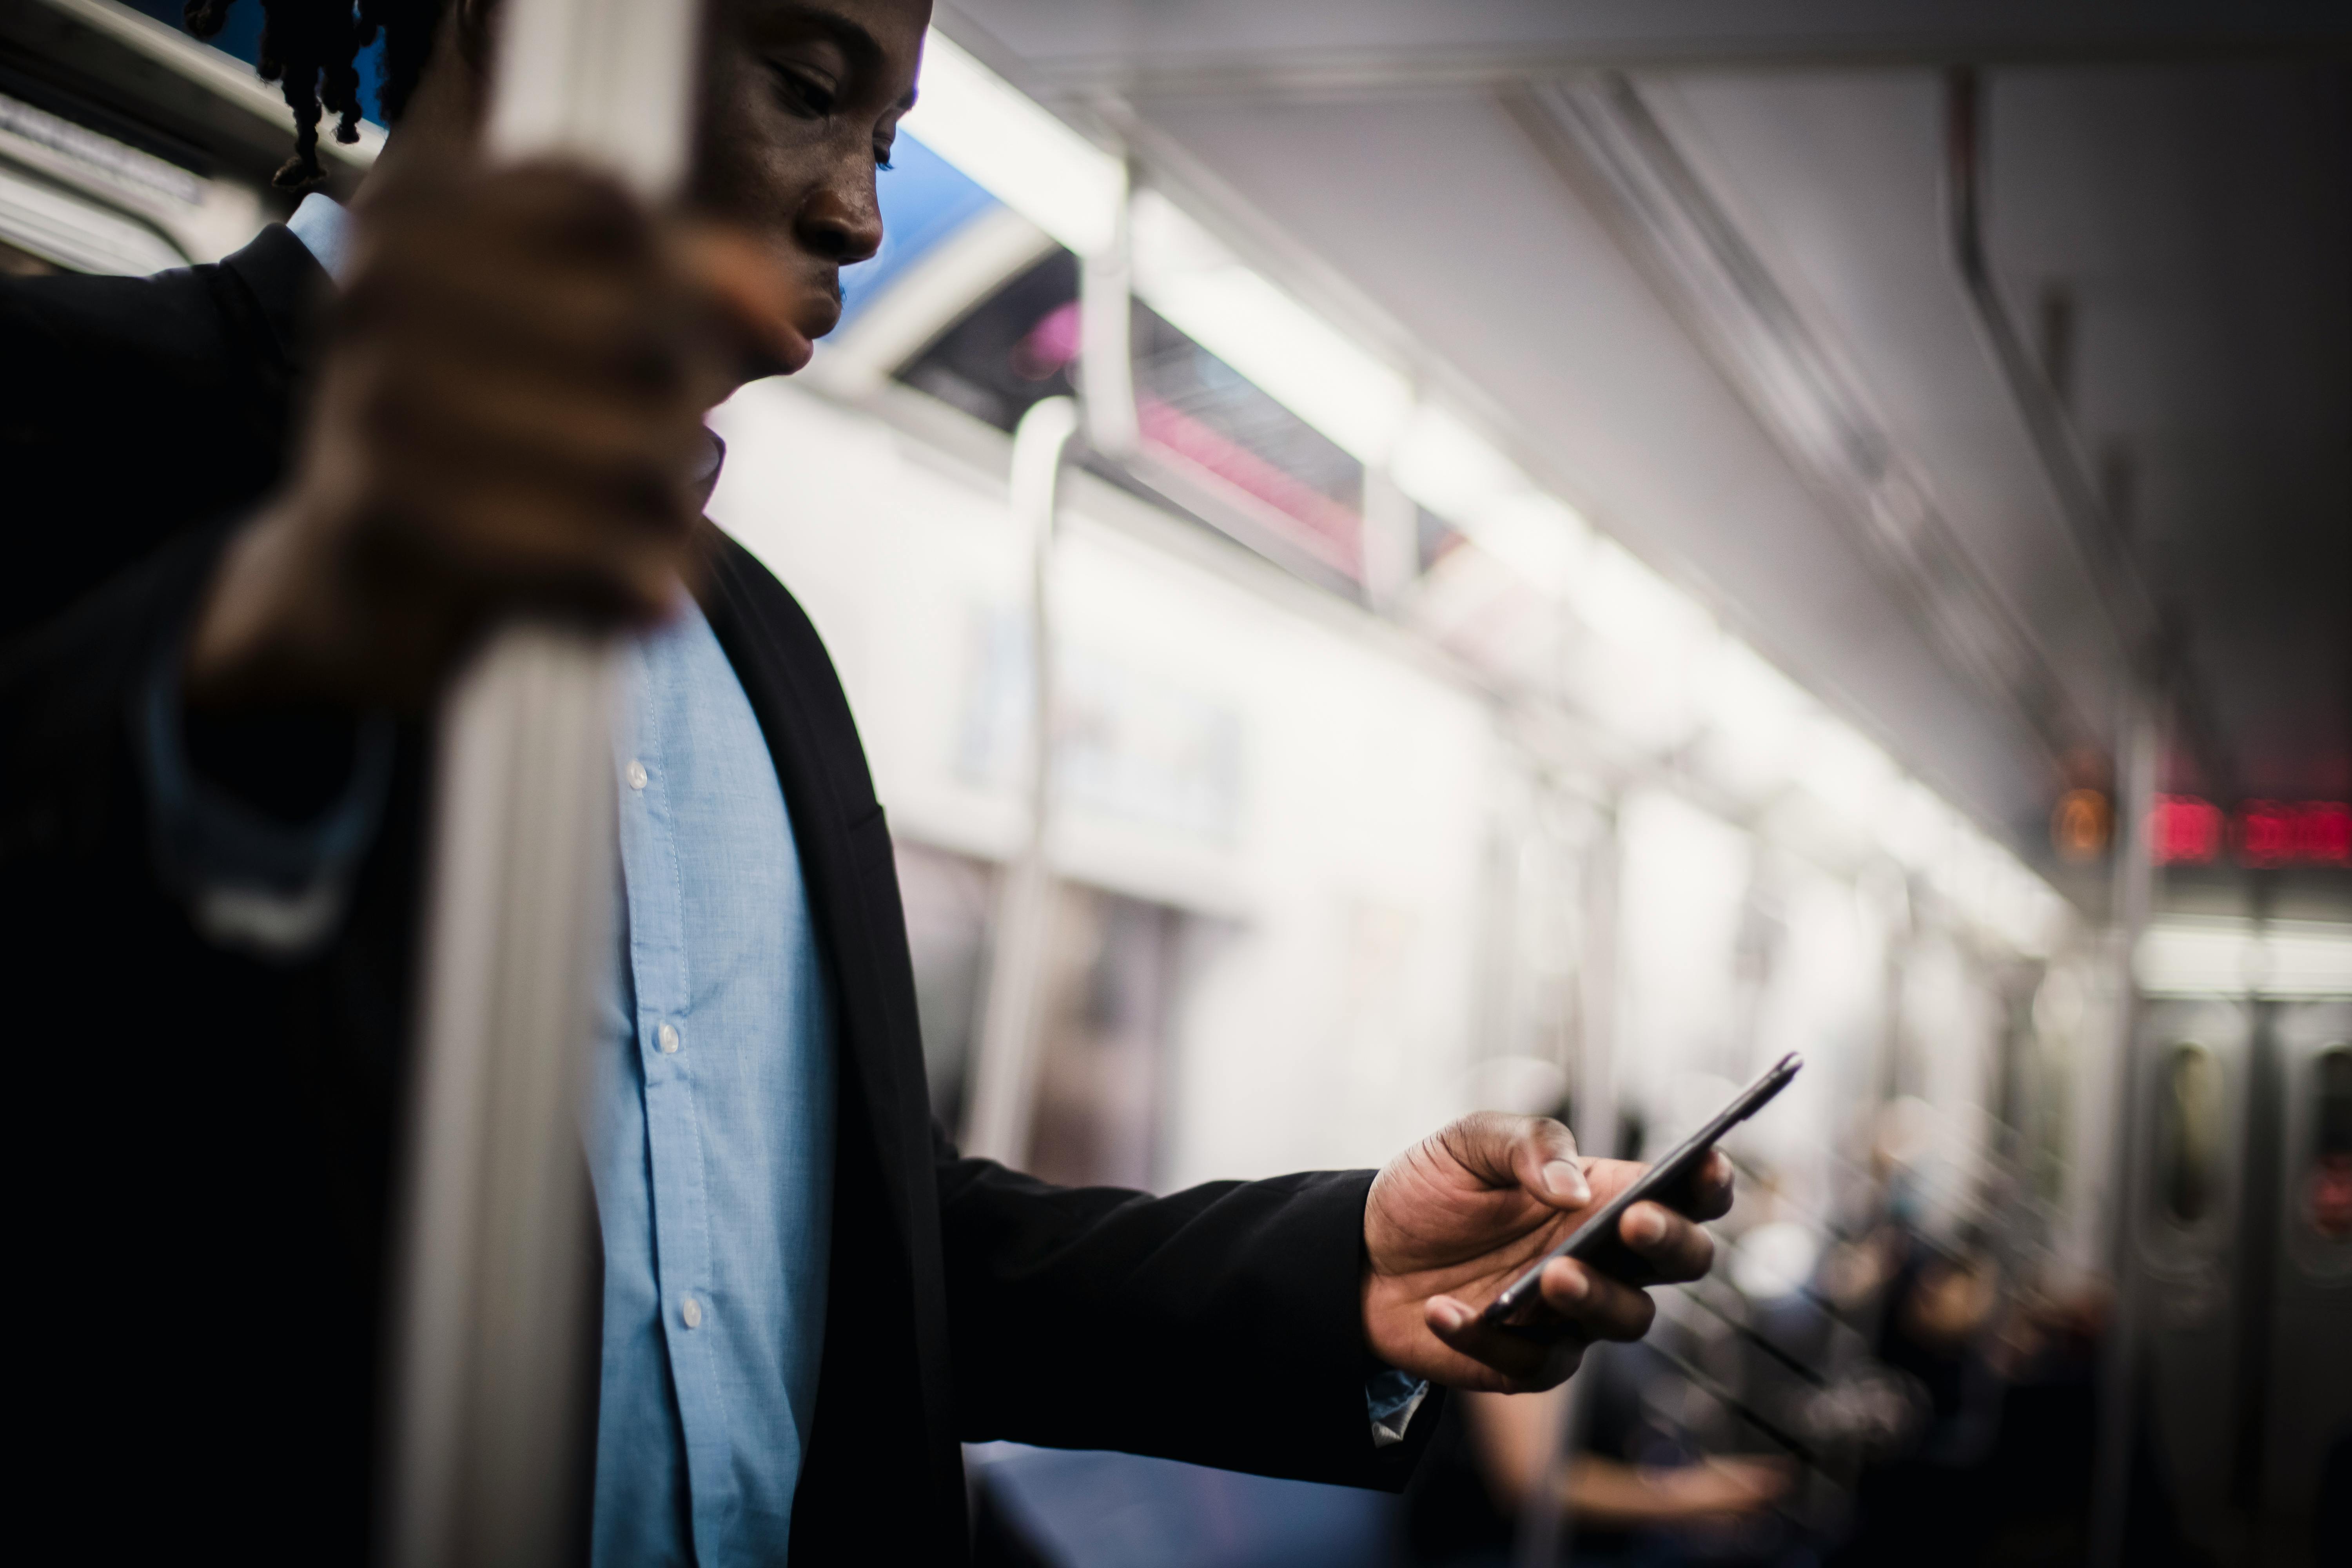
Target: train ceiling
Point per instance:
(1700, 258)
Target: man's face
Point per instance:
(805, 100)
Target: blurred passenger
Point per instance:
(1637, 1491)
(257, 514)
(1999, 1466)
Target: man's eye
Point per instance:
(882, 157)
(802, 94)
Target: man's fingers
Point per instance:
(1677, 1247)
(1597, 1307)
(1516, 1361)
(1710, 1195)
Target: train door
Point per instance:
(2184, 1220)
(2309, 1370)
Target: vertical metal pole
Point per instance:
(1106, 349)
(1596, 1067)
(2119, 1368)
(1004, 1076)
(488, 1406)
(2261, 1191)
(1391, 550)
(1004, 1079)
(487, 1390)
(1546, 1528)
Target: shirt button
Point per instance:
(691, 1311)
(636, 774)
(668, 1037)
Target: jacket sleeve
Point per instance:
(69, 700)
(1222, 1325)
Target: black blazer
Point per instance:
(201, 1139)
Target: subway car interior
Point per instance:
(1394, 560)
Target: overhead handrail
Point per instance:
(2123, 595)
(2150, 642)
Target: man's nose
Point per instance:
(838, 227)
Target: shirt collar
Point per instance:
(324, 225)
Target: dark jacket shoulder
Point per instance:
(135, 408)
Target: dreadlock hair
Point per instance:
(311, 47)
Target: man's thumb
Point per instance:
(1534, 1153)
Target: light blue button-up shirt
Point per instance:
(712, 1134)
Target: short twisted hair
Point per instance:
(311, 49)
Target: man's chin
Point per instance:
(794, 350)
(788, 355)
(817, 318)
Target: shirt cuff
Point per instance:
(251, 879)
(1391, 1398)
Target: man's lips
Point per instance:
(777, 316)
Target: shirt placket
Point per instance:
(666, 1045)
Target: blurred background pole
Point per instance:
(1106, 342)
(490, 1387)
(1005, 1075)
(1546, 1526)
(1006, 1069)
(2119, 1358)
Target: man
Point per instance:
(252, 533)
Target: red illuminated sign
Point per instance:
(2293, 833)
(2183, 830)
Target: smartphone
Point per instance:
(1596, 1241)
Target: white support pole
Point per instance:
(1004, 1077)
(486, 1426)
(2137, 746)
(1546, 1527)
(488, 1387)
(1392, 545)
(1106, 346)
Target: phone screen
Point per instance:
(1596, 1241)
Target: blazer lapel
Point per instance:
(844, 847)
(885, 1356)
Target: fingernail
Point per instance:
(1566, 1183)
(1575, 1284)
(1451, 1315)
(1644, 1226)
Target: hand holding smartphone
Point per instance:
(1597, 1243)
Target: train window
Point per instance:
(1212, 442)
(2328, 1200)
(1017, 348)
(2189, 1135)
(1226, 437)
(2335, 1084)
